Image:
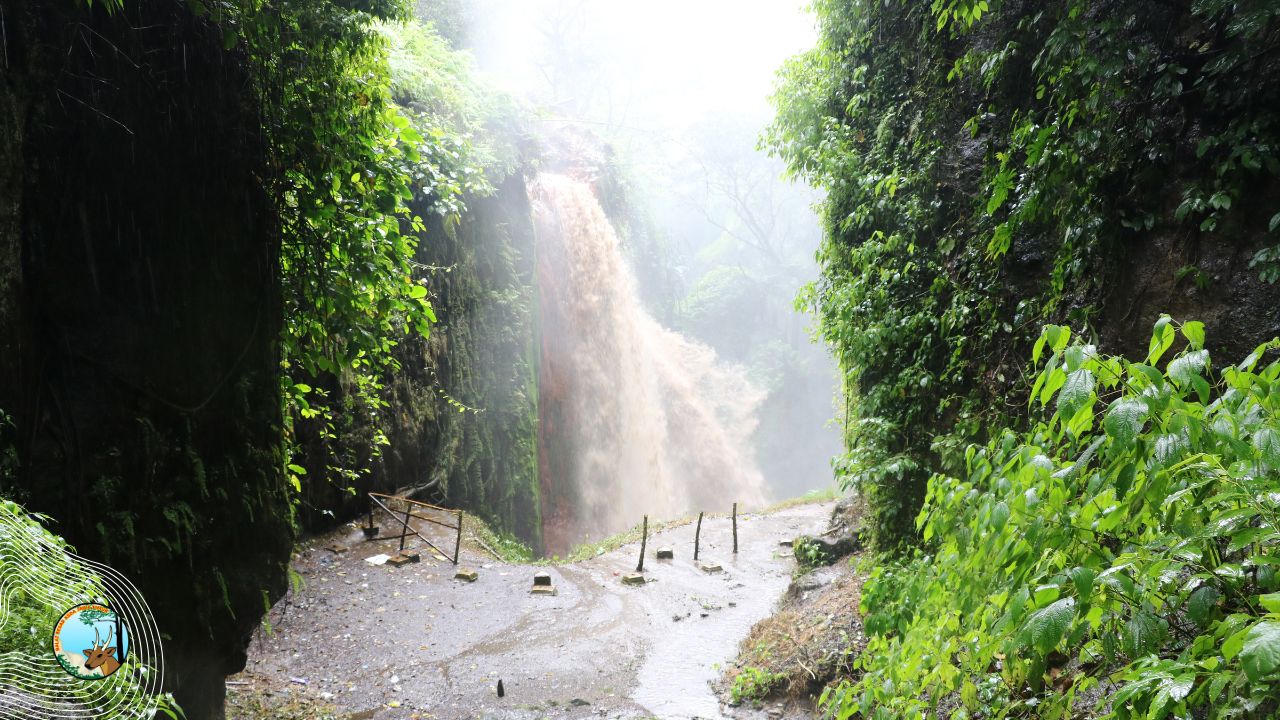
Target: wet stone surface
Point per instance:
(383, 642)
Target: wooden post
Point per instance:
(404, 532)
(735, 528)
(696, 535)
(457, 545)
(644, 540)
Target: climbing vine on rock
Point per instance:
(343, 159)
(991, 166)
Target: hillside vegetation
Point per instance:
(1091, 533)
(993, 167)
(1118, 559)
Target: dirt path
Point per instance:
(380, 642)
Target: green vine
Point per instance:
(1117, 560)
(986, 164)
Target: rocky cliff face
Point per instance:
(139, 318)
(479, 450)
(462, 407)
(1192, 275)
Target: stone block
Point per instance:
(634, 578)
(711, 567)
(542, 579)
(666, 553)
(466, 574)
(406, 557)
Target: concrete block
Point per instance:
(711, 567)
(634, 578)
(666, 553)
(542, 579)
(405, 557)
(542, 590)
(466, 574)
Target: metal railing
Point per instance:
(404, 517)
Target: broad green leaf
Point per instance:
(1267, 442)
(1161, 339)
(1083, 578)
(1037, 349)
(1056, 378)
(1193, 331)
(1059, 336)
(1152, 374)
(1045, 627)
(1180, 687)
(1260, 654)
(999, 516)
(1232, 646)
(1046, 594)
(1159, 707)
(1076, 393)
(1143, 633)
(1271, 602)
(1201, 604)
(1124, 420)
(1184, 367)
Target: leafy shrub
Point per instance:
(29, 614)
(989, 167)
(1118, 559)
(808, 553)
(753, 685)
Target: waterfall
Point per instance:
(634, 418)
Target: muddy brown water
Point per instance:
(382, 642)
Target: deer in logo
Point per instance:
(100, 655)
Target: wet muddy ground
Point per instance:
(382, 642)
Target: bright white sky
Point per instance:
(652, 64)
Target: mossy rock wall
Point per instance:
(1086, 164)
(462, 409)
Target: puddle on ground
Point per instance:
(688, 654)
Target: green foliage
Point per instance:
(753, 684)
(501, 544)
(808, 554)
(343, 162)
(29, 619)
(451, 19)
(1268, 262)
(364, 115)
(29, 616)
(985, 165)
(1116, 560)
(470, 124)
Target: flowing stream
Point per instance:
(635, 418)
